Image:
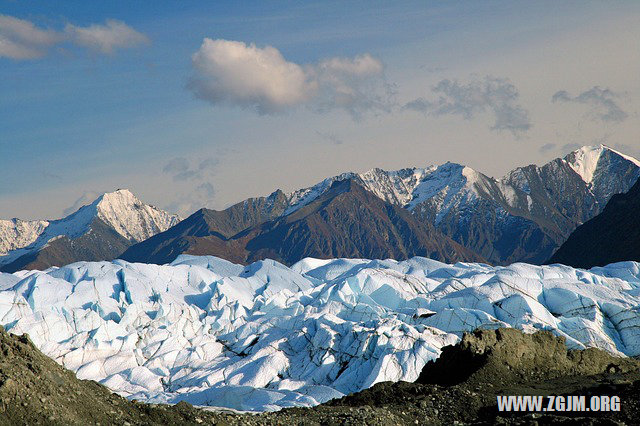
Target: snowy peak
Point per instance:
(443, 185)
(130, 217)
(16, 233)
(302, 197)
(544, 202)
(585, 161)
(449, 186)
(437, 184)
(116, 198)
(120, 211)
(395, 187)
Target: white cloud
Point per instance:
(361, 65)
(356, 85)
(234, 73)
(105, 38)
(22, 40)
(497, 95)
(601, 101)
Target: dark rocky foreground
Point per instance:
(459, 388)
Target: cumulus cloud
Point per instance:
(353, 84)
(260, 78)
(601, 101)
(496, 95)
(21, 39)
(235, 73)
(361, 65)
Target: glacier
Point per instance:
(266, 336)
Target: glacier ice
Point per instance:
(266, 336)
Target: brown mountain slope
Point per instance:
(346, 221)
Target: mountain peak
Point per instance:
(119, 196)
(130, 217)
(118, 211)
(584, 161)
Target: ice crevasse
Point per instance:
(266, 336)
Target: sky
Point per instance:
(203, 104)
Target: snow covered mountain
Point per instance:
(523, 216)
(17, 233)
(98, 231)
(264, 336)
(573, 189)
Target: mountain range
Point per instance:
(448, 212)
(344, 221)
(522, 217)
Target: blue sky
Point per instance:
(193, 104)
